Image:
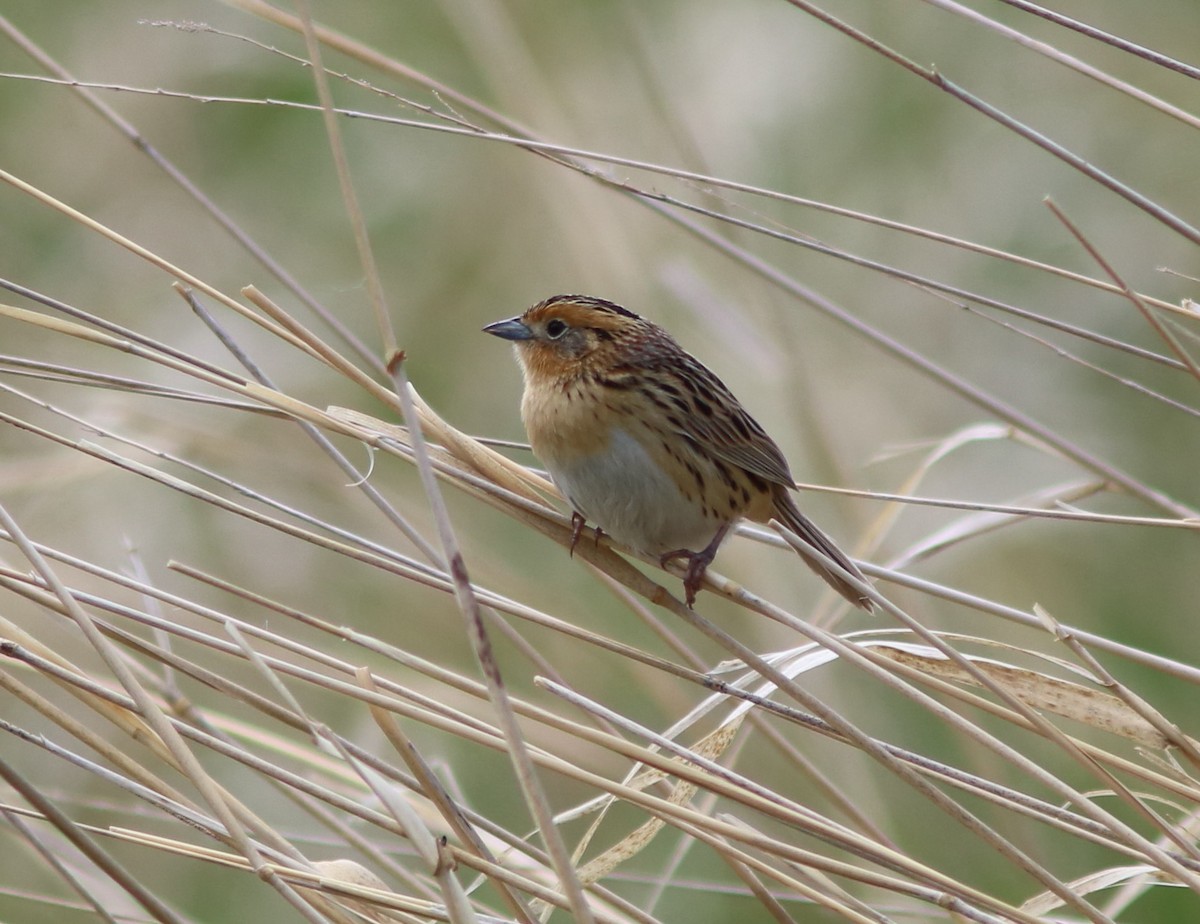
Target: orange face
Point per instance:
(566, 335)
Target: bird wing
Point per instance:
(723, 427)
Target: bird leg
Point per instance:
(577, 524)
(698, 563)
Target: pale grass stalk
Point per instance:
(770, 904)
(1170, 666)
(50, 857)
(853, 653)
(578, 155)
(1159, 328)
(821, 885)
(938, 80)
(432, 853)
(143, 145)
(72, 832)
(758, 721)
(1030, 715)
(1066, 60)
(1005, 797)
(842, 727)
(1124, 380)
(437, 793)
(298, 720)
(314, 433)
(185, 760)
(1107, 38)
(1168, 729)
(803, 818)
(313, 790)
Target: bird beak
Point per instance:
(512, 329)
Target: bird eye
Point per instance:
(556, 328)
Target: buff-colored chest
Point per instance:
(610, 466)
(565, 420)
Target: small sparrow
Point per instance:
(648, 444)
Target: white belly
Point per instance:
(624, 492)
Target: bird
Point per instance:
(648, 444)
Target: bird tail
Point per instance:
(790, 515)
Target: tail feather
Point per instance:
(790, 515)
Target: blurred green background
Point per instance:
(467, 231)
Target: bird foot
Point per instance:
(697, 564)
(578, 522)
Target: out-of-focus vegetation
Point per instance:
(954, 328)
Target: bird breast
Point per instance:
(610, 476)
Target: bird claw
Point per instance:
(577, 524)
(698, 563)
(693, 577)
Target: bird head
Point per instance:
(566, 334)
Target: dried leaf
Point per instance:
(1040, 691)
